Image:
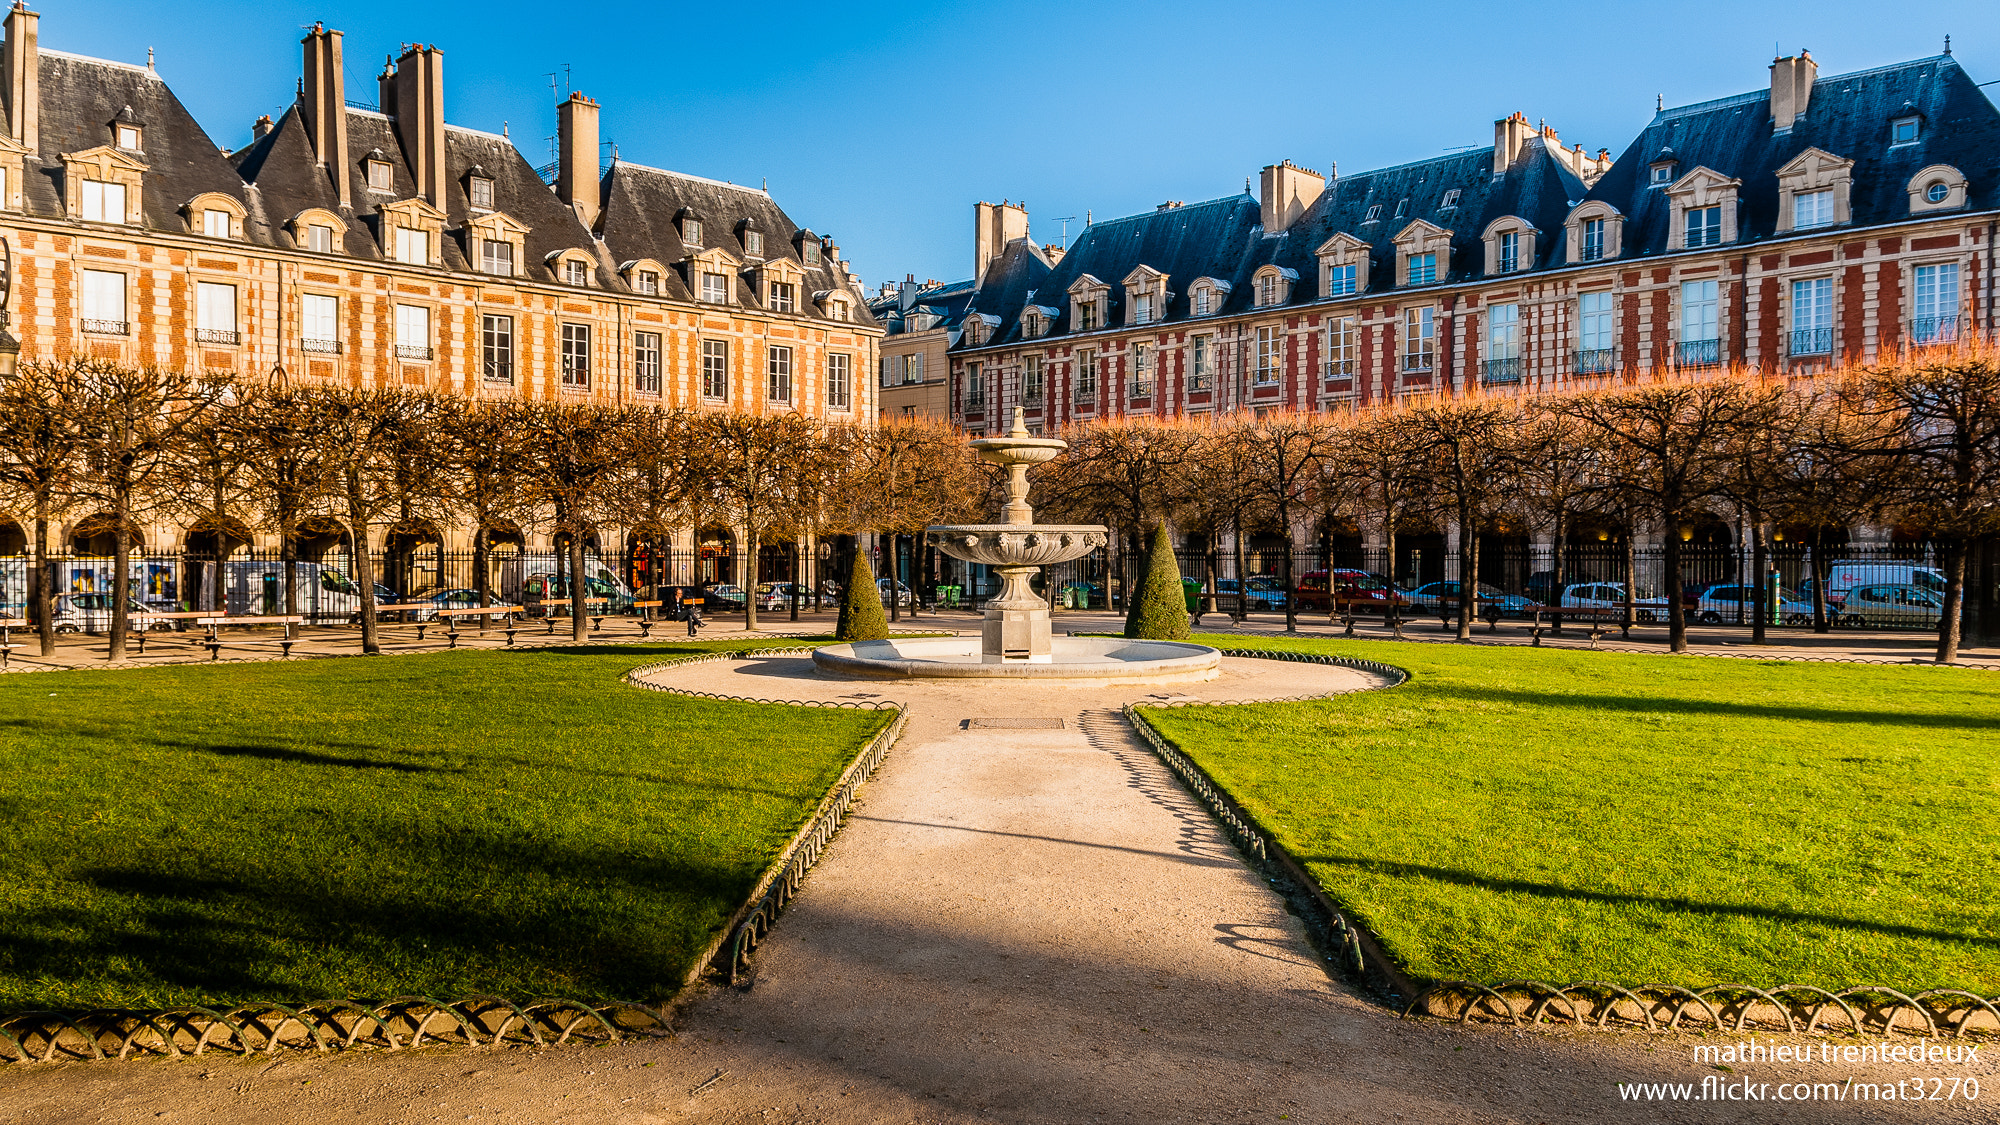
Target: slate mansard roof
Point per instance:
(1848, 116)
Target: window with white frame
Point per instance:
(215, 222)
(691, 232)
(129, 138)
(1450, 200)
(1701, 323)
(784, 296)
(649, 282)
(1086, 315)
(1509, 252)
(1204, 301)
(1270, 354)
(1201, 365)
(104, 302)
(575, 272)
(1032, 380)
(1419, 338)
(1812, 316)
(481, 192)
(1904, 130)
(913, 368)
(714, 288)
(1423, 268)
(496, 348)
(1703, 227)
(103, 202)
(778, 373)
(1142, 371)
(319, 323)
(1503, 344)
(1592, 240)
(715, 369)
(839, 381)
(1934, 310)
(753, 243)
(319, 238)
(975, 386)
(1086, 376)
(496, 257)
(1593, 334)
(380, 178)
(1343, 348)
(1340, 280)
(1812, 209)
(576, 355)
(413, 332)
(646, 362)
(1268, 287)
(413, 247)
(1142, 308)
(215, 313)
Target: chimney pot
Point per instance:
(576, 167)
(22, 63)
(1289, 191)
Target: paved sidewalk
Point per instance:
(1017, 925)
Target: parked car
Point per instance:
(1364, 590)
(902, 592)
(722, 598)
(1844, 576)
(1726, 605)
(1611, 595)
(1258, 596)
(778, 595)
(1541, 585)
(91, 613)
(1891, 604)
(441, 597)
(1491, 598)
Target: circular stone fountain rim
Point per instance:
(1178, 661)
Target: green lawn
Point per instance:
(1565, 815)
(516, 822)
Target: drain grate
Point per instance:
(1013, 724)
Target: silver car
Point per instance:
(1726, 605)
(1891, 604)
(1611, 595)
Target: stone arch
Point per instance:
(715, 556)
(412, 557)
(94, 535)
(649, 556)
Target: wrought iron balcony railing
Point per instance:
(1699, 353)
(1417, 361)
(1933, 329)
(321, 347)
(108, 327)
(217, 336)
(1142, 388)
(1506, 369)
(1812, 341)
(412, 351)
(1594, 361)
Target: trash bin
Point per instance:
(1191, 590)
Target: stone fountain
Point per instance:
(1015, 641)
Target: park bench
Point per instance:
(646, 617)
(596, 618)
(7, 645)
(1595, 618)
(406, 607)
(214, 644)
(151, 622)
(504, 612)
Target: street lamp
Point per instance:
(10, 348)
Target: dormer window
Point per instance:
(496, 257)
(1267, 290)
(215, 222)
(753, 243)
(714, 288)
(103, 202)
(1704, 227)
(574, 272)
(1703, 210)
(1423, 252)
(1663, 173)
(784, 296)
(480, 192)
(1423, 269)
(690, 230)
(811, 249)
(1274, 285)
(380, 177)
(1374, 213)
(1086, 315)
(1204, 301)
(1905, 130)
(648, 282)
(413, 247)
(1450, 199)
(130, 137)
(1511, 245)
(1592, 248)
(319, 238)
(1593, 231)
(1510, 252)
(1031, 325)
(1939, 187)
(1663, 168)
(1402, 206)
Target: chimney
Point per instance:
(323, 108)
(23, 65)
(1791, 88)
(1288, 191)
(261, 127)
(994, 225)
(1510, 134)
(576, 173)
(419, 113)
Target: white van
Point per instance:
(1845, 575)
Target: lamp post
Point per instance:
(10, 348)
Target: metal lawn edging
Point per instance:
(1792, 1008)
(478, 1020)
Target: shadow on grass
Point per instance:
(1660, 703)
(1612, 898)
(307, 758)
(450, 912)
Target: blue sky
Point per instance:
(883, 124)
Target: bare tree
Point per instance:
(1947, 408)
(1471, 459)
(286, 474)
(135, 422)
(574, 454)
(362, 436)
(1753, 453)
(1557, 469)
(1126, 473)
(752, 455)
(41, 455)
(1384, 455)
(486, 478)
(1667, 440)
(1286, 452)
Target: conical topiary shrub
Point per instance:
(861, 604)
(1159, 612)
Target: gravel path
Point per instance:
(1016, 925)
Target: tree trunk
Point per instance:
(1212, 560)
(1242, 579)
(1677, 624)
(798, 572)
(288, 557)
(1285, 570)
(1954, 597)
(1557, 570)
(481, 580)
(121, 581)
(1393, 614)
(1468, 581)
(41, 592)
(577, 591)
(1759, 560)
(1818, 569)
(1631, 581)
(364, 568)
(892, 565)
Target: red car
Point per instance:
(1363, 590)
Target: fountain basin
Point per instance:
(1007, 544)
(1083, 660)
